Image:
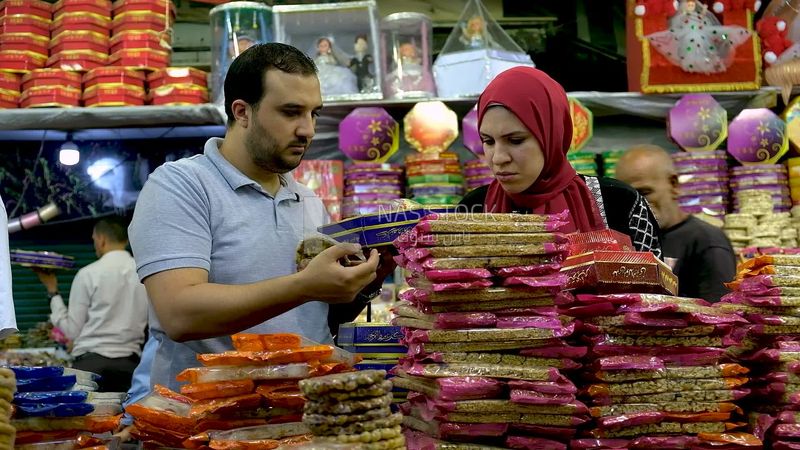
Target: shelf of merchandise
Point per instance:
(153, 122)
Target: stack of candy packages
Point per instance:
(767, 293)
(8, 387)
(703, 181)
(793, 165)
(10, 85)
(79, 40)
(657, 375)
(477, 173)
(141, 35)
(370, 188)
(610, 159)
(379, 344)
(49, 88)
(57, 405)
(584, 163)
(758, 179)
(487, 350)
(24, 35)
(251, 394)
(353, 408)
(434, 178)
(756, 225)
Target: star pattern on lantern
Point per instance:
(704, 113)
(762, 128)
(376, 140)
(374, 126)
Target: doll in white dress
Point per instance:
(696, 41)
(334, 78)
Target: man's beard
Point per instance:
(266, 153)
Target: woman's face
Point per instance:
(324, 47)
(510, 150)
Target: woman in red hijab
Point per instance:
(526, 129)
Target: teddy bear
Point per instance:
(772, 31)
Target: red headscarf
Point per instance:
(541, 104)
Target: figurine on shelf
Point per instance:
(334, 78)
(474, 33)
(407, 75)
(361, 64)
(696, 41)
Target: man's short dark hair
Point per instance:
(245, 79)
(113, 227)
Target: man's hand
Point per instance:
(48, 279)
(326, 279)
(386, 266)
(124, 433)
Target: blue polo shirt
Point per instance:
(202, 212)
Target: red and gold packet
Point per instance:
(115, 76)
(25, 24)
(98, 7)
(47, 96)
(77, 60)
(81, 22)
(177, 76)
(140, 21)
(177, 96)
(140, 59)
(25, 42)
(20, 62)
(52, 78)
(10, 82)
(9, 99)
(113, 95)
(36, 8)
(156, 6)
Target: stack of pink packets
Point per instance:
(767, 292)
(659, 375)
(488, 360)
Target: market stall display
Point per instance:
(485, 287)
(702, 181)
(239, 397)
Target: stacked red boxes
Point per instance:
(9, 90)
(43, 88)
(80, 34)
(140, 33)
(178, 86)
(24, 35)
(113, 86)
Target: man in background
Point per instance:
(8, 320)
(107, 312)
(699, 253)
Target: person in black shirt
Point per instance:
(699, 253)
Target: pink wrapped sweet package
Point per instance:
(532, 443)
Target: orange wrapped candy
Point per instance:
(245, 342)
(220, 389)
(286, 356)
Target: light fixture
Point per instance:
(69, 154)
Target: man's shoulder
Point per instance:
(704, 233)
(190, 168)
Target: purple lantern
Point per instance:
(698, 123)
(757, 136)
(369, 134)
(472, 139)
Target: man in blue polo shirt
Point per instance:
(214, 236)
